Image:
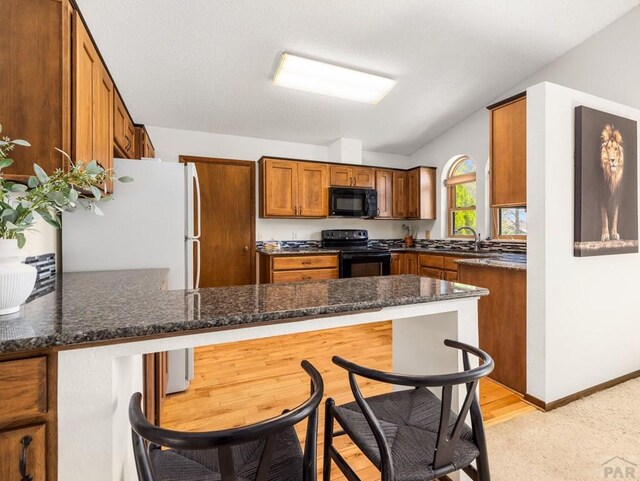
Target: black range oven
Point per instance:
(357, 259)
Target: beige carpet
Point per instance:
(572, 442)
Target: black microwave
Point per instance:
(349, 202)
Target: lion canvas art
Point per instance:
(606, 210)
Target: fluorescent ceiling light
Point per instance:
(322, 78)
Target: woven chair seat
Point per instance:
(409, 420)
(173, 465)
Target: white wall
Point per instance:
(582, 317)
(607, 65)
(171, 143)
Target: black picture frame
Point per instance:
(606, 184)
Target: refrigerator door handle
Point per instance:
(197, 283)
(199, 208)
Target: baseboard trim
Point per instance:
(579, 395)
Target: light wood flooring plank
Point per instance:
(245, 382)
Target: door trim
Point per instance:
(184, 159)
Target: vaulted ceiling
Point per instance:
(207, 65)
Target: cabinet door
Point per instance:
(399, 194)
(364, 177)
(120, 123)
(279, 188)
(35, 58)
(509, 154)
(413, 193)
(129, 137)
(396, 264)
(93, 107)
(313, 200)
(410, 263)
(384, 183)
(103, 119)
(451, 276)
(430, 272)
(85, 66)
(29, 443)
(341, 176)
(428, 187)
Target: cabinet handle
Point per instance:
(25, 441)
(306, 263)
(245, 248)
(128, 143)
(306, 278)
(299, 210)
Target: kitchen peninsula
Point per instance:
(97, 325)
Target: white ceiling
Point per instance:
(207, 64)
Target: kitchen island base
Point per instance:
(95, 383)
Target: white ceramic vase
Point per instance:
(16, 279)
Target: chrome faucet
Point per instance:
(476, 235)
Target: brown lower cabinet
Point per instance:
(29, 442)
(404, 263)
(28, 424)
(502, 321)
(293, 268)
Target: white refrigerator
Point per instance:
(152, 222)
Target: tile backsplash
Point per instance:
(493, 246)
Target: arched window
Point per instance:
(461, 194)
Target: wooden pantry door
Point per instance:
(227, 243)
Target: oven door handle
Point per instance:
(366, 257)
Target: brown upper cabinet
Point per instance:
(421, 193)
(384, 183)
(60, 93)
(123, 130)
(143, 146)
(399, 194)
(293, 189)
(35, 94)
(508, 152)
(352, 176)
(93, 98)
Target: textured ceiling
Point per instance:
(207, 64)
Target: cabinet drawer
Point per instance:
(23, 389)
(305, 275)
(304, 262)
(451, 263)
(429, 272)
(451, 276)
(11, 449)
(427, 260)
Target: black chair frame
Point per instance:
(445, 445)
(147, 436)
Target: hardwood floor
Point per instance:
(241, 383)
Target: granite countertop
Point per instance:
(292, 251)
(94, 307)
(500, 260)
(446, 252)
(516, 262)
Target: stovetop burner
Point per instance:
(350, 240)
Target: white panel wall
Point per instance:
(583, 318)
(171, 143)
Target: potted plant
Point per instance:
(45, 196)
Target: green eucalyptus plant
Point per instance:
(45, 195)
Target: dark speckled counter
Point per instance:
(100, 307)
(297, 251)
